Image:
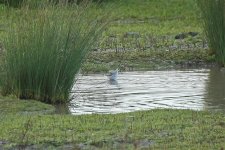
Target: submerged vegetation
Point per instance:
(45, 49)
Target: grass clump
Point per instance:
(45, 48)
(213, 13)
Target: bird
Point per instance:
(113, 74)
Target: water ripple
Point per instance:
(141, 91)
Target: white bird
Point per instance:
(113, 74)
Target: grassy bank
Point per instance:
(155, 129)
(33, 125)
(155, 17)
(147, 60)
(12, 105)
(146, 31)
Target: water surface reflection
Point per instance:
(187, 89)
(215, 90)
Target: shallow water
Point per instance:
(197, 89)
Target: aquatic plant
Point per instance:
(213, 14)
(45, 48)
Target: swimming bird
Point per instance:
(113, 74)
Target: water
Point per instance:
(195, 89)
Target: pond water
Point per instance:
(197, 89)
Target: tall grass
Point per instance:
(45, 48)
(18, 3)
(213, 13)
(13, 3)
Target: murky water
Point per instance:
(189, 89)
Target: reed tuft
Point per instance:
(213, 14)
(45, 48)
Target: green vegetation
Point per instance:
(154, 17)
(148, 27)
(13, 3)
(213, 13)
(41, 50)
(147, 60)
(147, 38)
(12, 105)
(156, 129)
(45, 48)
(19, 3)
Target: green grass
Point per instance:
(151, 26)
(162, 18)
(12, 105)
(155, 18)
(145, 9)
(156, 129)
(175, 15)
(159, 17)
(27, 124)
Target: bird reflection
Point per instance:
(113, 82)
(113, 74)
